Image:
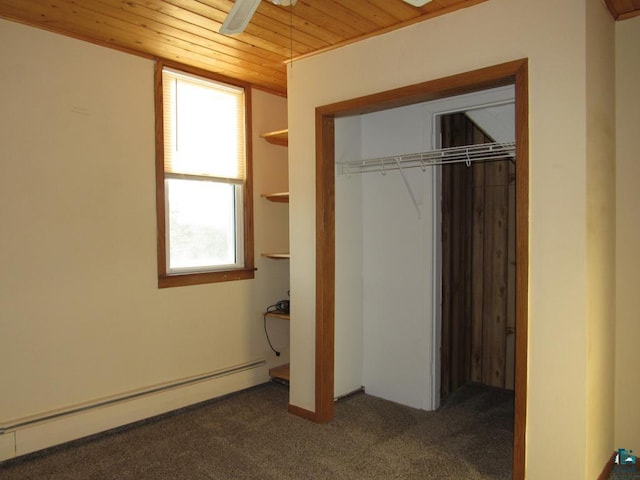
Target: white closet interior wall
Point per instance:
(387, 292)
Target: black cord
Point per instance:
(264, 318)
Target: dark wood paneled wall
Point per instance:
(477, 315)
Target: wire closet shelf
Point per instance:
(484, 152)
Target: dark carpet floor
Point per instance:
(251, 436)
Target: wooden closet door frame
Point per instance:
(510, 73)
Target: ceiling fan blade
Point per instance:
(417, 3)
(239, 16)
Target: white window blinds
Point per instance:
(204, 124)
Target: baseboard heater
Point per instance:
(28, 421)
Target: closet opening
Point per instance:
(512, 73)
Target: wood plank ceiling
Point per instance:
(186, 31)
(623, 9)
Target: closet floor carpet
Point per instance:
(250, 435)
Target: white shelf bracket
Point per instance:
(406, 184)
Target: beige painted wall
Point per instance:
(627, 398)
(81, 315)
(600, 99)
(552, 35)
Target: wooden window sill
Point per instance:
(180, 280)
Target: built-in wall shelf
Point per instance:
(277, 314)
(282, 197)
(280, 137)
(280, 373)
(277, 256)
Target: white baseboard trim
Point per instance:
(61, 429)
(7, 446)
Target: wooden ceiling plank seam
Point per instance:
(623, 9)
(265, 22)
(345, 16)
(438, 8)
(628, 6)
(253, 77)
(370, 11)
(175, 53)
(280, 19)
(269, 80)
(283, 48)
(612, 9)
(271, 33)
(14, 16)
(272, 87)
(256, 34)
(421, 18)
(328, 22)
(401, 11)
(628, 15)
(199, 24)
(151, 35)
(292, 18)
(193, 18)
(436, 5)
(265, 84)
(224, 6)
(310, 35)
(180, 31)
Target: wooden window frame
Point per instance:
(246, 272)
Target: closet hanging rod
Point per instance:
(483, 152)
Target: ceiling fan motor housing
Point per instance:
(417, 3)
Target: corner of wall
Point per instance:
(600, 168)
(627, 326)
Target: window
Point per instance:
(203, 178)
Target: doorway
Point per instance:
(511, 73)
